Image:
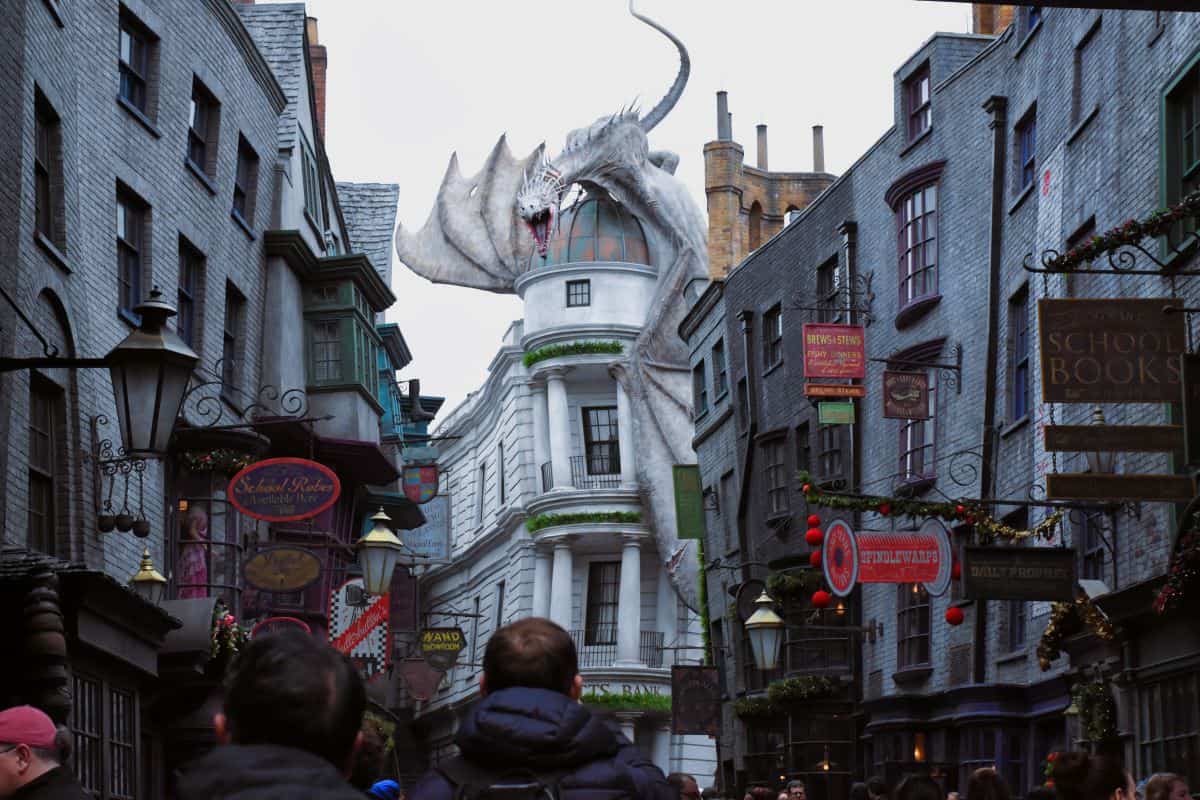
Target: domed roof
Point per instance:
(596, 229)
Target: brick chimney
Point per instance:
(319, 59)
(990, 19)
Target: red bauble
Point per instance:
(885, 508)
(814, 558)
(954, 615)
(813, 521)
(814, 537)
(821, 599)
(956, 571)
(970, 519)
(806, 488)
(960, 510)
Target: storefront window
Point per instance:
(209, 538)
(1170, 727)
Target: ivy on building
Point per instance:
(1066, 620)
(571, 349)
(628, 701)
(784, 696)
(550, 520)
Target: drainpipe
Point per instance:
(997, 107)
(746, 318)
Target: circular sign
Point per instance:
(936, 529)
(282, 569)
(284, 489)
(747, 593)
(839, 558)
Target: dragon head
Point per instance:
(538, 201)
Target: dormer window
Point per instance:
(916, 103)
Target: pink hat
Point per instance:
(28, 726)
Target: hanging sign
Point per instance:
(282, 569)
(360, 631)
(906, 395)
(834, 351)
(1114, 438)
(1019, 573)
(420, 679)
(1110, 350)
(835, 412)
(695, 700)
(1094, 486)
(420, 482)
(431, 541)
(284, 489)
(922, 556)
(1191, 408)
(689, 501)
(834, 390)
(440, 646)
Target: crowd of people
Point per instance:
(292, 727)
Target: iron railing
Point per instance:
(547, 477)
(596, 646)
(591, 473)
(651, 650)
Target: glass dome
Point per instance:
(597, 229)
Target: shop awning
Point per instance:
(355, 461)
(405, 514)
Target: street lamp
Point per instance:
(765, 630)
(148, 582)
(378, 553)
(1099, 461)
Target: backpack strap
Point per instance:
(471, 780)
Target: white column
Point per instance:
(541, 583)
(667, 618)
(560, 584)
(627, 721)
(629, 603)
(560, 428)
(625, 438)
(662, 749)
(541, 433)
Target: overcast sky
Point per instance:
(411, 82)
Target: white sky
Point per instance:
(411, 82)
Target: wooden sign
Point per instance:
(441, 646)
(924, 556)
(420, 679)
(1091, 486)
(1114, 438)
(284, 489)
(1191, 408)
(834, 351)
(834, 390)
(835, 412)
(695, 700)
(1110, 350)
(906, 395)
(282, 569)
(1019, 573)
(689, 501)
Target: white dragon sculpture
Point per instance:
(482, 231)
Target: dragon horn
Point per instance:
(660, 111)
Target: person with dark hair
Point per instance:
(985, 783)
(795, 790)
(31, 759)
(877, 788)
(919, 787)
(858, 791)
(529, 735)
(685, 785)
(289, 727)
(1167, 786)
(1080, 776)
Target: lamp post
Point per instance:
(378, 553)
(148, 582)
(1099, 461)
(765, 630)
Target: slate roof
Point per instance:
(370, 213)
(278, 31)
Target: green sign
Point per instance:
(689, 501)
(832, 413)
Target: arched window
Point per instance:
(755, 226)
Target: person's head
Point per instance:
(986, 784)
(1079, 776)
(919, 787)
(761, 793)
(685, 785)
(533, 653)
(782, 796)
(289, 689)
(795, 790)
(858, 791)
(27, 747)
(877, 788)
(1167, 786)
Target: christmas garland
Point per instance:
(226, 461)
(969, 513)
(1183, 569)
(1068, 619)
(550, 520)
(227, 636)
(1130, 232)
(1097, 711)
(784, 695)
(570, 349)
(783, 587)
(628, 701)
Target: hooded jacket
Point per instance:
(545, 731)
(263, 772)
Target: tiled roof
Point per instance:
(278, 30)
(370, 212)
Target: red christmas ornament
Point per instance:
(821, 599)
(814, 537)
(970, 519)
(960, 510)
(954, 615)
(885, 508)
(956, 571)
(814, 559)
(813, 521)
(806, 488)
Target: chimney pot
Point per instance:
(762, 147)
(724, 133)
(818, 148)
(319, 59)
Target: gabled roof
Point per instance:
(370, 212)
(278, 30)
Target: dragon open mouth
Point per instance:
(539, 226)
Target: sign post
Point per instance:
(834, 351)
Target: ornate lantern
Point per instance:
(378, 553)
(765, 629)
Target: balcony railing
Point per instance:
(547, 477)
(651, 651)
(586, 473)
(597, 646)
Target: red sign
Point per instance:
(358, 627)
(834, 351)
(834, 390)
(901, 557)
(284, 489)
(420, 483)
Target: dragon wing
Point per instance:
(452, 247)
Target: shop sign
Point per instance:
(626, 688)
(1110, 350)
(924, 556)
(1114, 438)
(906, 395)
(431, 542)
(440, 646)
(835, 412)
(420, 482)
(834, 390)
(358, 627)
(1191, 408)
(689, 501)
(1019, 573)
(282, 569)
(695, 700)
(834, 351)
(1092, 486)
(284, 489)
(420, 679)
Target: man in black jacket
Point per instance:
(529, 723)
(290, 726)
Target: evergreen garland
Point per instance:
(628, 701)
(550, 520)
(228, 462)
(1066, 620)
(1097, 711)
(571, 349)
(784, 587)
(1130, 232)
(784, 696)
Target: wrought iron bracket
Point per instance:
(950, 374)
(109, 461)
(855, 297)
(1122, 260)
(50, 359)
(218, 404)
